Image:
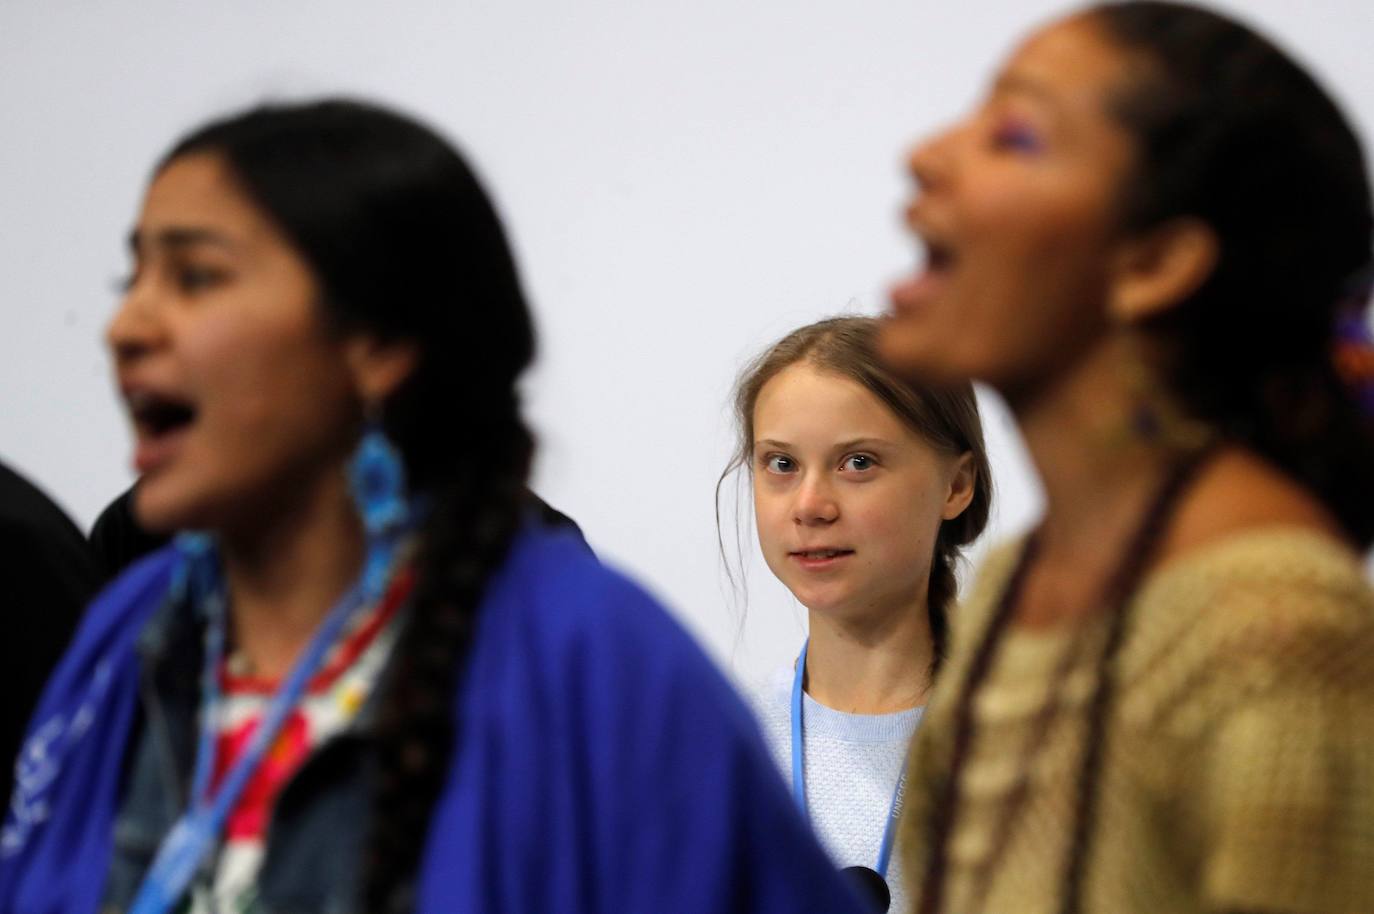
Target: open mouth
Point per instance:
(156, 416)
(940, 257)
(940, 253)
(159, 420)
(914, 294)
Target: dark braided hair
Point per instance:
(1231, 131)
(407, 247)
(946, 418)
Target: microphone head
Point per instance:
(870, 886)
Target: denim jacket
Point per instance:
(318, 826)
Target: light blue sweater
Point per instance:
(852, 764)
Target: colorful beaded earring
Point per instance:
(1353, 343)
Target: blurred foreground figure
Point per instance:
(118, 539)
(374, 680)
(1151, 238)
(48, 575)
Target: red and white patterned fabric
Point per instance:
(334, 696)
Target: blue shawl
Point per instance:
(65, 795)
(603, 764)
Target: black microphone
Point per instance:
(870, 886)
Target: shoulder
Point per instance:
(571, 653)
(118, 539)
(659, 770)
(1272, 610)
(141, 590)
(1290, 577)
(770, 699)
(1277, 678)
(1253, 559)
(555, 608)
(36, 536)
(22, 504)
(1238, 491)
(775, 689)
(551, 577)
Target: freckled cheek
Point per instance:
(896, 526)
(879, 518)
(772, 518)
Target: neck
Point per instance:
(1098, 477)
(870, 666)
(286, 573)
(1086, 457)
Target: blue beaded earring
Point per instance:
(378, 476)
(378, 480)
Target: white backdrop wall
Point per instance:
(683, 182)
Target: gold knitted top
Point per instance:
(1238, 767)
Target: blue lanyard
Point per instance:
(799, 771)
(199, 827)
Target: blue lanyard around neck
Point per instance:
(799, 771)
(199, 828)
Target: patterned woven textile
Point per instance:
(1238, 765)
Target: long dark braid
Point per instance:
(464, 541)
(941, 592)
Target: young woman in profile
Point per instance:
(864, 491)
(373, 682)
(1151, 237)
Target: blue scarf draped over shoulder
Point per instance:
(58, 831)
(605, 764)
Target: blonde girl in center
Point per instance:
(865, 489)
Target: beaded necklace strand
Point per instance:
(1140, 552)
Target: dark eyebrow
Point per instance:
(861, 443)
(842, 446)
(179, 237)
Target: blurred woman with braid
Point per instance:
(1153, 238)
(373, 680)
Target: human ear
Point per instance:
(1156, 270)
(962, 484)
(378, 367)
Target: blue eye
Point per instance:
(1017, 138)
(858, 463)
(779, 463)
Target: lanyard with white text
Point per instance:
(199, 827)
(799, 771)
